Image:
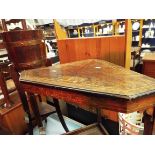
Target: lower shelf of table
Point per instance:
(93, 129)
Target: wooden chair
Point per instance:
(11, 112)
(6, 84)
(5, 23)
(27, 50)
(45, 110)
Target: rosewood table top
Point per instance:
(93, 76)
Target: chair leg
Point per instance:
(58, 110)
(36, 112)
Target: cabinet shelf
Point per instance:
(148, 47)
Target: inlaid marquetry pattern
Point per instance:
(95, 76)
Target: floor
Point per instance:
(54, 127)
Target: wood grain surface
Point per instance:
(93, 76)
(109, 48)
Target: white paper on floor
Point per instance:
(54, 127)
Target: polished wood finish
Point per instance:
(86, 100)
(107, 78)
(110, 48)
(26, 49)
(115, 49)
(12, 118)
(75, 83)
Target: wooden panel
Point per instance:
(80, 49)
(13, 119)
(117, 50)
(111, 115)
(103, 52)
(92, 47)
(70, 48)
(111, 48)
(63, 54)
(122, 51)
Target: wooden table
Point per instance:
(149, 64)
(95, 83)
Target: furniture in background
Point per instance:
(11, 111)
(148, 34)
(149, 70)
(50, 39)
(5, 24)
(149, 64)
(26, 49)
(135, 57)
(110, 86)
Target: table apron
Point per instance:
(91, 100)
